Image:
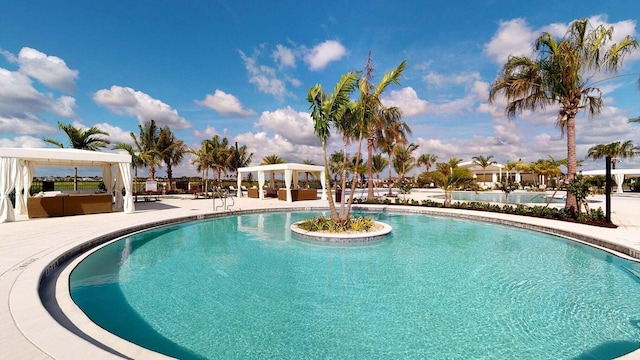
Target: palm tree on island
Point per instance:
(564, 72)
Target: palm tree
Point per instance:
(388, 138)
(272, 159)
(484, 163)
(90, 139)
(562, 74)
(427, 160)
(136, 161)
(147, 145)
(326, 109)
(221, 155)
(379, 163)
(171, 151)
(616, 149)
(403, 160)
(241, 157)
(447, 167)
(336, 159)
(450, 181)
(203, 160)
(375, 117)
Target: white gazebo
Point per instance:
(291, 171)
(17, 166)
(617, 174)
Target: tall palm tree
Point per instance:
(147, 144)
(563, 73)
(389, 138)
(427, 160)
(90, 139)
(272, 159)
(484, 163)
(336, 159)
(375, 117)
(325, 110)
(379, 163)
(171, 151)
(447, 167)
(616, 150)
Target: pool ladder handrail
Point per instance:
(223, 201)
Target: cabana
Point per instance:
(617, 174)
(291, 171)
(17, 166)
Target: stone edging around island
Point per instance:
(342, 237)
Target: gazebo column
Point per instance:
(260, 184)
(239, 183)
(287, 183)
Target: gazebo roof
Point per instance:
(64, 157)
(282, 167)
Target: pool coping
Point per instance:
(26, 298)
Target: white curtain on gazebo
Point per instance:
(619, 177)
(27, 178)
(119, 204)
(8, 177)
(125, 173)
(260, 184)
(19, 201)
(288, 174)
(324, 186)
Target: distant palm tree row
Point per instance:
(154, 146)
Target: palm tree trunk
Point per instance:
(390, 174)
(370, 167)
(355, 179)
(169, 175)
(571, 204)
(332, 206)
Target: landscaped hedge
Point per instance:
(593, 217)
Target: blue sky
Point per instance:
(243, 69)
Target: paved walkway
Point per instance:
(27, 248)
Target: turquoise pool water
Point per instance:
(241, 287)
(514, 198)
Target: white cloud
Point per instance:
(261, 144)
(264, 77)
(18, 97)
(407, 100)
(26, 125)
(291, 125)
(208, 133)
(52, 71)
(23, 142)
(514, 37)
(116, 134)
(322, 54)
(438, 80)
(125, 100)
(284, 56)
(225, 104)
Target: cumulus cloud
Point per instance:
(22, 142)
(125, 100)
(29, 124)
(262, 144)
(52, 71)
(407, 100)
(225, 104)
(284, 56)
(514, 37)
(18, 97)
(322, 54)
(290, 124)
(264, 77)
(116, 134)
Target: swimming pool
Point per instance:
(514, 197)
(243, 287)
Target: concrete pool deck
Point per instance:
(28, 247)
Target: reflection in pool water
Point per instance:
(514, 197)
(438, 288)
